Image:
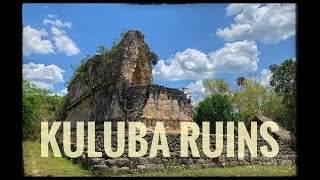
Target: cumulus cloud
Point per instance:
(34, 42)
(238, 57)
(191, 64)
(62, 92)
(268, 23)
(56, 22)
(41, 75)
(265, 77)
(64, 43)
(238, 8)
(197, 91)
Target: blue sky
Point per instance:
(193, 41)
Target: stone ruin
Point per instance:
(126, 164)
(116, 86)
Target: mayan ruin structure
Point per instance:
(116, 86)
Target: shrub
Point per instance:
(215, 107)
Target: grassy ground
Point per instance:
(52, 166)
(230, 171)
(35, 165)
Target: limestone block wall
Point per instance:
(77, 90)
(81, 111)
(136, 66)
(145, 103)
(108, 107)
(286, 156)
(160, 106)
(152, 103)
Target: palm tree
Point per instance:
(240, 81)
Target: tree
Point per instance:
(274, 108)
(240, 81)
(62, 112)
(283, 81)
(254, 98)
(216, 86)
(215, 107)
(250, 99)
(154, 58)
(37, 105)
(102, 50)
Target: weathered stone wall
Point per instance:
(80, 111)
(77, 91)
(151, 103)
(146, 103)
(136, 67)
(116, 87)
(167, 105)
(161, 105)
(286, 156)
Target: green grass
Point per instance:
(35, 165)
(53, 166)
(228, 171)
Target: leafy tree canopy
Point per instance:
(215, 107)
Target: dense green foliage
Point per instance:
(215, 107)
(253, 98)
(277, 101)
(154, 58)
(240, 81)
(62, 112)
(283, 80)
(37, 105)
(79, 70)
(216, 86)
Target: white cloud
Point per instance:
(41, 75)
(33, 41)
(56, 22)
(238, 57)
(52, 16)
(236, 8)
(197, 91)
(62, 92)
(265, 77)
(189, 64)
(270, 23)
(57, 32)
(64, 43)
